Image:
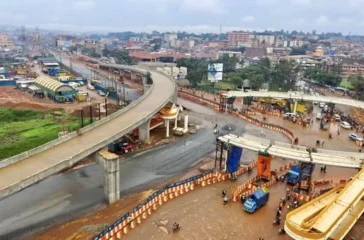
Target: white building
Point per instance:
(267, 39)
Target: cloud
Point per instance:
(83, 4)
(345, 20)
(247, 19)
(301, 2)
(322, 20)
(213, 6)
(20, 16)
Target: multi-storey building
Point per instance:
(234, 38)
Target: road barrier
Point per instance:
(171, 191)
(248, 188)
(190, 95)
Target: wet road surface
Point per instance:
(68, 195)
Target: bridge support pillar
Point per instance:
(144, 131)
(295, 106)
(133, 75)
(175, 95)
(111, 165)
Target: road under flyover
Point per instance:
(31, 169)
(296, 96)
(295, 152)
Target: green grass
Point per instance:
(345, 83)
(22, 130)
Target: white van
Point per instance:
(89, 86)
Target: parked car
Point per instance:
(345, 125)
(101, 93)
(337, 117)
(289, 115)
(321, 105)
(319, 116)
(315, 103)
(89, 86)
(355, 137)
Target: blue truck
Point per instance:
(294, 175)
(256, 200)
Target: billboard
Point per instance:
(214, 72)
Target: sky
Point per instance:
(186, 15)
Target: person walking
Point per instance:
(322, 143)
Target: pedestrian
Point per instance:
(262, 133)
(223, 193)
(278, 213)
(322, 143)
(338, 131)
(322, 168)
(325, 168)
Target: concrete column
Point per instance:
(144, 132)
(167, 128)
(295, 106)
(175, 96)
(186, 123)
(175, 123)
(111, 165)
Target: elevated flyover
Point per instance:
(296, 96)
(330, 216)
(30, 167)
(294, 152)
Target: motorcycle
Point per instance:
(176, 227)
(281, 231)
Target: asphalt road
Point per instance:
(68, 195)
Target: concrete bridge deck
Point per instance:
(294, 152)
(329, 216)
(296, 96)
(29, 170)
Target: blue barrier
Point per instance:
(111, 95)
(149, 198)
(7, 83)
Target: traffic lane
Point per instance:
(68, 195)
(131, 94)
(309, 135)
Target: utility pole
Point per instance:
(82, 123)
(90, 114)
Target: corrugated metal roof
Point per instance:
(49, 83)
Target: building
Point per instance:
(134, 39)
(5, 41)
(319, 52)
(268, 40)
(255, 52)
(352, 69)
(238, 37)
(170, 39)
(55, 90)
(93, 44)
(230, 54)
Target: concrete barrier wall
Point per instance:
(69, 136)
(132, 219)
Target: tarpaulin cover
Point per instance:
(234, 159)
(264, 164)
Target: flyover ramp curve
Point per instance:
(32, 169)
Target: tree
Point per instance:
(322, 77)
(284, 75)
(149, 78)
